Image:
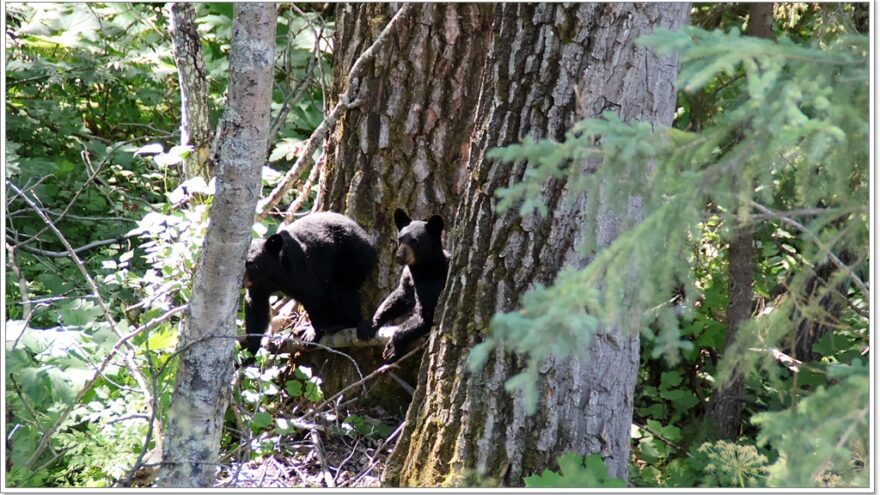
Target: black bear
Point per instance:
(412, 303)
(321, 261)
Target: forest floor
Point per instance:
(350, 443)
(319, 459)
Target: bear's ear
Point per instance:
(435, 225)
(274, 244)
(401, 219)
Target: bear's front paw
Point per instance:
(365, 330)
(394, 350)
(308, 335)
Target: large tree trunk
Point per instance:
(464, 428)
(404, 146)
(201, 386)
(725, 405)
(195, 126)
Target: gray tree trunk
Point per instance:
(195, 126)
(726, 403)
(404, 146)
(463, 428)
(201, 387)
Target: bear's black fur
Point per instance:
(412, 303)
(321, 261)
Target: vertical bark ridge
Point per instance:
(404, 146)
(465, 428)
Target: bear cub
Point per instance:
(412, 303)
(320, 260)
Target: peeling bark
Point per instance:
(463, 428)
(195, 126)
(201, 387)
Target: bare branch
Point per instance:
(346, 101)
(304, 192)
(22, 283)
(65, 254)
(815, 239)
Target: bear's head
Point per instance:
(418, 241)
(263, 262)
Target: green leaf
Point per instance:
(260, 421)
(294, 388)
(79, 312)
(576, 472)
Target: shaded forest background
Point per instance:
(753, 363)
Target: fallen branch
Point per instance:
(277, 344)
(373, 462)
(377, 372)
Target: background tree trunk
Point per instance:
(404, 146)
(195, 125)
(201, 387)
(725, 404)
(465, 428)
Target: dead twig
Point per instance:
(65, 254)
(377, 372)
(315, 437)
(373, 462)
(815, 239)
(22, 283)
(346, 101)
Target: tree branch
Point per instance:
(346, 101)
(815, 239)
(65, 254)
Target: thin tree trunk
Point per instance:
(195, 126)
(463, 428)
(404, 146)
(725, 405)
(201, 387)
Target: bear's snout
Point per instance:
(405, 255)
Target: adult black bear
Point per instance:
(321, 261)
(424, 275)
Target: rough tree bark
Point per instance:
(550, 65)
(404, 145)
(195, 126)
(725, 404)
(201, 387)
